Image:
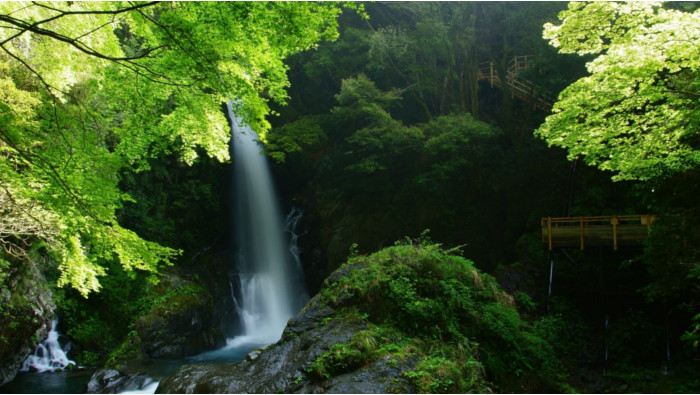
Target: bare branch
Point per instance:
(63, 13)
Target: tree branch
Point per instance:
(34, 28)
(695, 94)
(50, 170)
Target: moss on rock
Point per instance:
(26, 311)
(410, 318)
(425, 304)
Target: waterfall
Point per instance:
(265, 270)
(299, 284)
(48, 355)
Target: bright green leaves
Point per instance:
(183, 125)
(58, 45)
(592, 27)
(90, 90)
(76, 268)
(636, 114)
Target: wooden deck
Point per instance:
(610, 231)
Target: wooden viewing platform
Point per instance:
(612, 231)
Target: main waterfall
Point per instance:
(270, 283)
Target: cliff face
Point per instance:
(26, 312)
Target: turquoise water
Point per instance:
(48, 383)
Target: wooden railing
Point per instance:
(519, 87)
(613, 231)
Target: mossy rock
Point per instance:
(409, 318)
(26, 312)
(178, 324)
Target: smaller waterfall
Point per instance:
(290, 226)
(48, 355)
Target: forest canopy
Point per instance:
(636, 114)
(89, 89)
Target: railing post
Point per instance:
(614, 223)
(581, 230)
(549, 231)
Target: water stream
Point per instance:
(48, 355)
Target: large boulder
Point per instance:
(112, 381)
(181, 323)
(26, 312)
(409, 318)
(283, 367)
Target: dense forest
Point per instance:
(424, 143)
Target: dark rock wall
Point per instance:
(26, 310)
(181, 324)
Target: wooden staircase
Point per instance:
(519, 87)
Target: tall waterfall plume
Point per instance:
(266, 271)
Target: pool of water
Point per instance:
(66, 382)
(75, 382)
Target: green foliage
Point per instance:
(680, 380)
(93, 90)
(303, 134)
(692, 335)
(438, 375)
(440, 170)
(128, 349)
(636, 112)
(671, 262)
(425, 304)
(98, 324)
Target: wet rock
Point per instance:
(281, 368)
(105, 381)
(380, 377)
(112, 381)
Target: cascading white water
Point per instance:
(268, 299)
(48, 355)
(290, 226)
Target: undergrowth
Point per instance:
(433, 310)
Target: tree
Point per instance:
(90, 89)
(636, 114)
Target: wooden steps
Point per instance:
(519, 87)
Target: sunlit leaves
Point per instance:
(91, 89)
(636, 114)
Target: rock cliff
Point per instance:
(26, 314)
